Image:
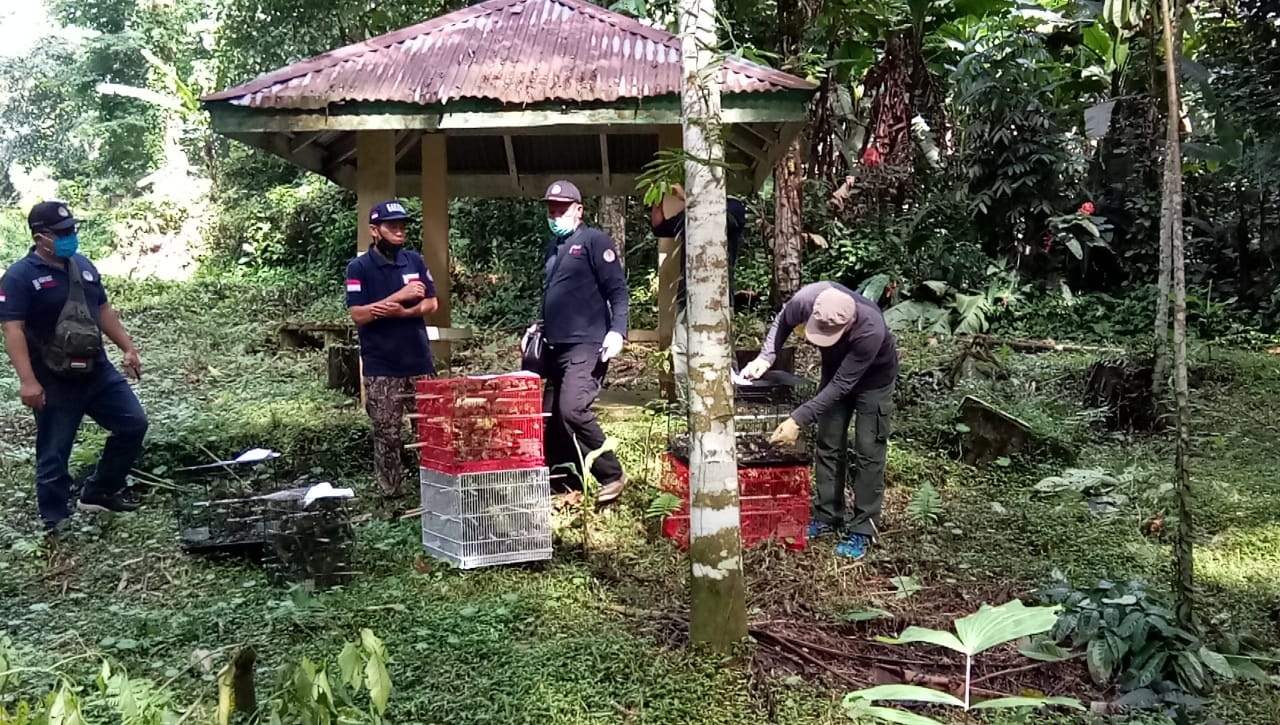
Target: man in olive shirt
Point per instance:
(859, 369)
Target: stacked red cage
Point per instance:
(475, 425)
(774, 503)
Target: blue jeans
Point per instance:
(109, 401)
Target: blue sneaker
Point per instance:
(854, 546)
(820, 528)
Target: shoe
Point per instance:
(854, 546)
(821, 528)
(610, 492)
(106, 504)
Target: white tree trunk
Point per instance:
(717, 613)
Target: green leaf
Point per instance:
(1247, 668)
(1009, 702)
(1076, 249)
(1190, 672)
(907, 693)
(1098, 657)
(873, 287)
(349, 665)
(372, 645)
(991, 626)
(859, 709)
(1217, 662)
(1044, 651)
(865, 615)
(1151, 670)
(379, 682)
(928, 636)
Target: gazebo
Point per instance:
(497, 100)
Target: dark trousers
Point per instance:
(870, 411)
(574, 374)
(110, 402)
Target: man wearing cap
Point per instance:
(666, 218)
(859, 368)
(388, 291)
(54, 310)
(584, 323)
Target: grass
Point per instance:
(547, 644)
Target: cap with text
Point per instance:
(387, 211)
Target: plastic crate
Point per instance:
(484, 519)
(754, 482)
(473, 425)
(773, 501)
(787, 525)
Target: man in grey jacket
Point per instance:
(859, 369)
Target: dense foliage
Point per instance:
(954, 149)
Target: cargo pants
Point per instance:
(387, 400)
(871, 412)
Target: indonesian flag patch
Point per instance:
(2, 296)
(353, 285)
(411, 277)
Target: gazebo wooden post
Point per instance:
(375, 182)
(669, 254)
(435, 234)
(375, 177)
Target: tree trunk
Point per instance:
(1160, 376)
(613, 220)
(1171, 226)
(717, 611)
(788, 226)
(788, 174)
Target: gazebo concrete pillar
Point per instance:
(669, 254)
(435, 234)
(375, 177)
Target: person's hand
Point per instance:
(385, 308)
(612, 346)
(133, 363)
(32, 395)
(756, 368)
(786, 434)
(413, 292)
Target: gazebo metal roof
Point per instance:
(524, 90)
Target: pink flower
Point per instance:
(1088, 208)
(871, 157)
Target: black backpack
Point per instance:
(76, 342)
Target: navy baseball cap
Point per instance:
(387, 211)
(562, 191)
(51, 216)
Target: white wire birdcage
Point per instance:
(484, 519)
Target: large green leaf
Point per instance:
(928, 636)
(972, 310)
(349, 664)
(858, 709)
(1008, 702)
(1217, 662)
(1044, 651)
(1098, 656)
(873, 287)
(1247, 668)
(991, 626)
(907, 693)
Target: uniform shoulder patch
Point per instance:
(609, 255)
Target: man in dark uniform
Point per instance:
(666, 218)
(388, 291)
(33, 294)
(584, 323)
(859, 369)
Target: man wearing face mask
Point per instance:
(389, 290)
(54, 310)
(584, 323)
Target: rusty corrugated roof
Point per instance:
(513, 51)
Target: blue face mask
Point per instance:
(66, 247)
(561, 226)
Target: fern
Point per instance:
(664, 504)
(925, 506)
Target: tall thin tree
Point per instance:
(1171, 225)
(717, 611)
(788, 174)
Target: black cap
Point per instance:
(387, 211)
(51, 216)
(562, 191)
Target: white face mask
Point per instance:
(564, 224)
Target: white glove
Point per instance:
(756, 368)
(611, 347)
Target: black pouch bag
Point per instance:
(533, 348)
(73, 349)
